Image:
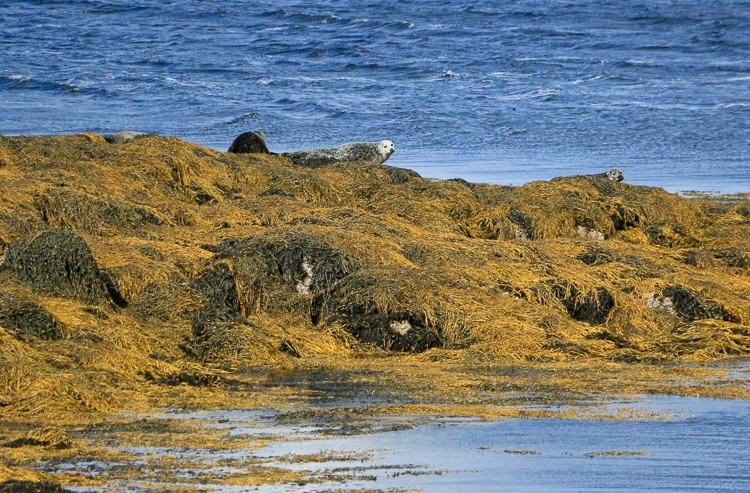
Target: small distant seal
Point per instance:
(613, 174)
(124, 136)
(250, 143)
(368, 152)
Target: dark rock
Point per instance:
(595, 256)
(305, 263)
(275, 191)
(353, 304)
(689, 305)
(249, 143)
(522, 223)
(28, 317)
(730, 257)
(204, 197)
(60, 262)
(592, 306)
(222, 304)
(402, 175)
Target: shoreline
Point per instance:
(517, 170)
(199, 279)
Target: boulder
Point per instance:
(27, 317)
(688, 305)
(59, 261)
(397, 311)
(591, 306)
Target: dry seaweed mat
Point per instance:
(161, 273)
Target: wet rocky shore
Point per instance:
(155, 272)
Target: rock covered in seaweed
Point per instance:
(59, 261)
(397, 311)
(28, 317)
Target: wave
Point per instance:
(20, 82)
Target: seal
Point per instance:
(613, 174)
(124, 136)
(368, 152)
(250, 143)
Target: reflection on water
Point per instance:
(686, 444)
(703, 445)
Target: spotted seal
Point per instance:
(613, 174)
(124, 136)
(368, 152)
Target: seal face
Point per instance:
(368, 152)
(614, 174)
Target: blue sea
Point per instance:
(493, 91)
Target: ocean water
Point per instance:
(493, 91)
(693, 444)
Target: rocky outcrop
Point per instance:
(27, 317)
(60, 262)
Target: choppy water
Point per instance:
(497, 91)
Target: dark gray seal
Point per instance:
(250, 143)
(368, 152)
(124, 136)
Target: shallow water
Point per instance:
(684, 444)
(500, 92)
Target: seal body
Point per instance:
(250, 143)
(368, 152)
(124, 136)
(614, 175)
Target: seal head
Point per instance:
(614, 174)
(249, 143)
(386, 148)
